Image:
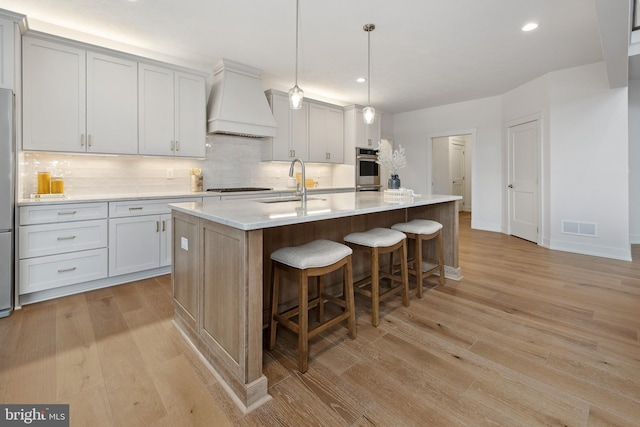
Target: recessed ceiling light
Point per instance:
(530, 26)
(361, 80)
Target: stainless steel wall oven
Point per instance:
(367, 170)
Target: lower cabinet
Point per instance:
(61, 245)
(139, 243)
(68, 248)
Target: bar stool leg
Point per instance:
(404, 271)
(320, 291)
(441, 257)
(303, 321)
(348, 296)
(417, 265)
(275, 295)
(375, 287)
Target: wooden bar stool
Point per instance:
(313, 259)
(422, 230)
(376, 242)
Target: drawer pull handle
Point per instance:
(139, 208)
(67, 213)
(66, 237)
(66, 270)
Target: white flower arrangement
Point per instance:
(390, 159)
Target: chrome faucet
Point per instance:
(299, 192)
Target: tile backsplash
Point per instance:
(230, 162)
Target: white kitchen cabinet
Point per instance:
(61, 245)
(326, 133)
(112, 104)
(171, 112)
(292, 134)
(7, 53)
(77, 100)
(140, 235)
(357, 132)
(54, 97)
(134, 244)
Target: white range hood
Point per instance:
(238, 105)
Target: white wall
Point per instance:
(589, 166)
(585, 156)
(634, 161)
(412, 131)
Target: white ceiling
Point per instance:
(423, 52)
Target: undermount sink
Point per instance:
(287, 199)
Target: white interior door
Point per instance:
(457, 169)
(440, 184)
(523, 180)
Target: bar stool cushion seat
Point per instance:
(418, 226)
(376, 237)
(318, 253)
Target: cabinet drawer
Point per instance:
(44, 214)
(52, 239)
(145, 207)
(38, 274)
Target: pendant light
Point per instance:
(369, 113)
(295, 93)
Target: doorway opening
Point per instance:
(451, 165)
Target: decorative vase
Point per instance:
(394, 182)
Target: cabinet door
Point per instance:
(334, 129)
(134, 244)
(190, 111)
(112, 105)
(374, 132)
(165, 240)
(300, 132)
(317, 134)
(156, 116)
(279, 144)
(53, 96)
(6, 54)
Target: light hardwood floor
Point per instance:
(528, 337)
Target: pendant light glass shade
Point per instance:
(369, 113)
(295, 97)
(295, 93)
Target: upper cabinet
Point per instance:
(6, 53)
(359, 134)
(326, 133)
(292, 134)
(172, 112)
(79, 98)
(78, 101)
(314, 133)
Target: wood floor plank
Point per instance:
(32, 376)
(77, 362)
(128, 383)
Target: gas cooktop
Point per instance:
(237, 189)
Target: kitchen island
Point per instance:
(221, 264)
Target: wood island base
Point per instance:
(220, 297)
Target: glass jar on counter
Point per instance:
(44, 182)
(57, 185)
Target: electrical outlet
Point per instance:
(169, 173)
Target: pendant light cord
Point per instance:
(297, 19)
(369, 68)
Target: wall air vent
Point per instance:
(588, 229)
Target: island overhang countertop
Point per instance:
(254, 214)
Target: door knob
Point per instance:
(510, 185)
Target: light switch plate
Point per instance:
(184, 243)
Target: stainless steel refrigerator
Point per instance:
(7, 200)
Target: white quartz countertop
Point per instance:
(97, 197)
(256, 214)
